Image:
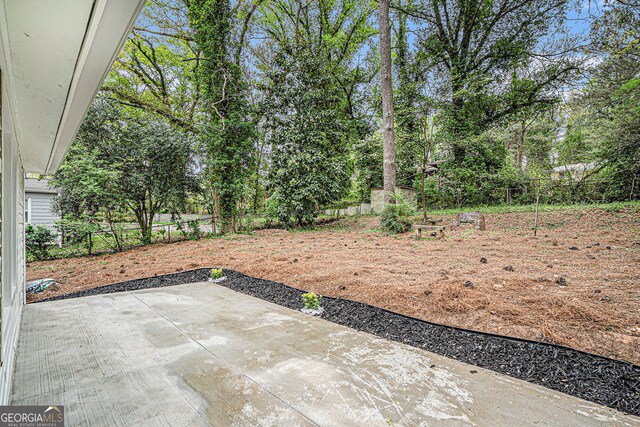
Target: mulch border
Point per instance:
(595, 378)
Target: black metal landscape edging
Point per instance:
(595, 378)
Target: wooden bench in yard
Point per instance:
(437, 228)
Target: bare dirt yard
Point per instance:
(577, 283)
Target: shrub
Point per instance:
(194, 229)
(190, 229)
(37, 240)
(271, 209)
(311, 301)
(396, 217)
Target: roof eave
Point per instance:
(110, 24)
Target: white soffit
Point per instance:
(57, 53)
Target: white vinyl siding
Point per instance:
(39, 208)
(12, 250)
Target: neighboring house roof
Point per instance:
(34, 185)
(579, 167)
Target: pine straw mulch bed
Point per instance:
(575, 284)
(598, 379)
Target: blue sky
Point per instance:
(580, 16)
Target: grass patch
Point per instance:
(609, 207)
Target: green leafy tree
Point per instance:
(610, 119)
(88, 194)
(479, 177)
(87, 180)
(617, 30)
(87, 184)
(228, 129)
(482, 53)
(311, 79)
(155, 71)
(124, 162)
(620, 153)
(152, 158)
(309, 145)
(575, 147)
(530, 139)
(605, 116)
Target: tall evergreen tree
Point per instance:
(309, 147)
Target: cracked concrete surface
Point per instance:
(201, 354)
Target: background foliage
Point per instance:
(249, 108)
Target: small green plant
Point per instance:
(38, 239)
(161, 233)
(190, 229)
(311, 301)
(216, 273)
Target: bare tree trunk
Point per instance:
(521, 140)
(388, 133)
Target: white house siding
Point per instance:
(21, 247)
(41, 213)
(12, 255)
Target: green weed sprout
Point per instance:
(216, 273)
(311, 301)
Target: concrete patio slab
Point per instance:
(201, 354)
